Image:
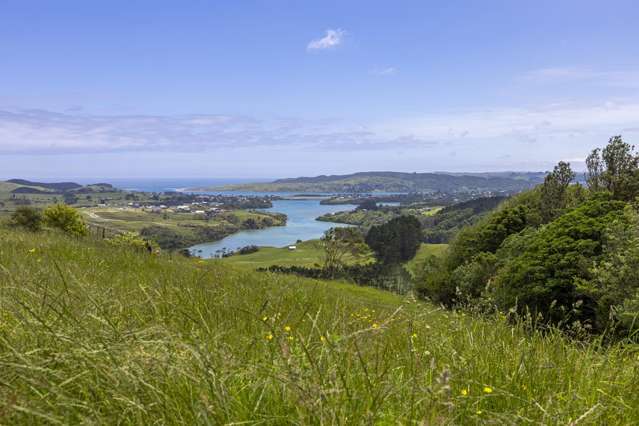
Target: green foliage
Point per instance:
(472, 278)
(543, 278)
(488, 235)
(614, 278)
(340, 243)
(65, 218)
(396, 241)
(165, 237)
(554, 189)
(134, 241)
(565, 254)
(614, 169)
(368, 205)
(446, 223)
(27, 217)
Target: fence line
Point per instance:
(103, 232)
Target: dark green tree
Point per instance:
(543, 278)
(27, 217)
(395, 241)
(553, 191)
(614, 169)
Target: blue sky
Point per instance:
(276, 89)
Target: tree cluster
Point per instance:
(564, 253)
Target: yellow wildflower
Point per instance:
(287, 328)
(488, 389)
(269, 337)
(33, 250)
(479, 411)
(464, 392)
(264, 318)
(322, 339)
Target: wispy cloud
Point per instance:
(46, 132)
(384, 71)
(618, 78)
(331, 39)
(520, 124)
(546, 133)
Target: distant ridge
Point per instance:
(24, 186)
(384, 181)
(57, 186)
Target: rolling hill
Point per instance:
(23, 186)
(390, 182)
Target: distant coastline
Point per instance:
(372, 182)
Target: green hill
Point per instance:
(91, 333)
(389, 182)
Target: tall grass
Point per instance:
(96, 334)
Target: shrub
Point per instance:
(132, 240)
(543, 279)
(28, 218)
(248, 249)
(66, 218)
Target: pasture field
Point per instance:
(91, 333)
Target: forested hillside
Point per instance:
(563, 253)
(391, 182)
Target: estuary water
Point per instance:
(301, 213)
(301, 225)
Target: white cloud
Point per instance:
(619, 78)
(551, 121)
(332, 39)
(384, 71)
(480, 137)
(46, 132)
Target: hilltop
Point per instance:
(23, 186)
(392, 182)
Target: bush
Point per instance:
(132, 240)
(543, 279)
(248, 249)
(27, 218)
(66, 218)
(393, 278)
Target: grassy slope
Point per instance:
(309, 253)
(425, 251)
(93, 334)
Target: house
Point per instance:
(291, 248)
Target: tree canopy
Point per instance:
(395, 241)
